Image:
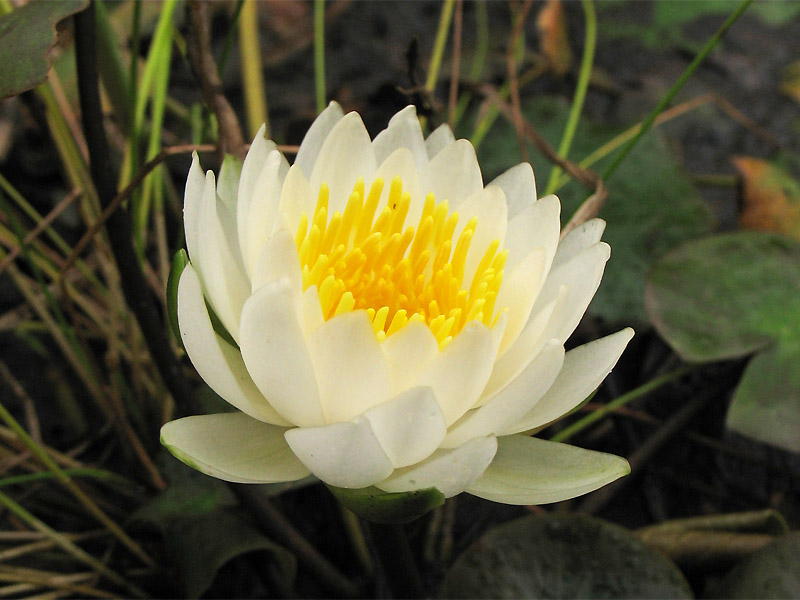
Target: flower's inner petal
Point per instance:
(368, 259)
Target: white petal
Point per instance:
(440, 139)
(489, 206)
(262, 216)
(409, 427)
(518, 293)
(403, 131)
(579, 239)
(454, 174)
(536, 226)
(351, 372)
(506, 407)
(228, 182)
(344, 454)
(224, 282)
(218, 363)
(296, 198)
(278, 259)
(519, 186)
(192, 200)
(311, 317)
(460, 371)
(585, 368)
(401, 163)
(276, 356)
(450, 471)
(233, 447)
(582, 275)
(345, 156)
(251, 169)
(533, 471)
(406, 353)
(315, 137)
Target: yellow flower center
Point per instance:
(397, 274)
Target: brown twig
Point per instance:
(513, 83)
(198, 48)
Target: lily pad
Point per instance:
(28, 33)
(562, 556)
(728, 296)
(652, 206)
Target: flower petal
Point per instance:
(518, 294)
(296, 197)
(409, 427)
(345, 156)
(440, 139)
(580, 238)
(406, 353)
(519, 186)
(233, 447)
(251, 170)
(585, 368)
(351, 372)
(489, 206)
(262, 217)
(404, 131)
(537, 225)
(506, 407)
(451, 471)
(581, 274)
(453, 174)
(401, 163)
(315, 137)
(192, 201)
(218, 363)
(459, 372)
(311, 317)
(274, 350)
(278, 259)
(228, 181)
(528, 470)
(343, 454)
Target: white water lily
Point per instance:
(395, 323)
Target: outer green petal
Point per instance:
(529, 470)
(233, 447)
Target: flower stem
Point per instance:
(319, 53)
(397, 562)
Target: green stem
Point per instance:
(319, 53)
(439, 44)
(397, 561)
(642, 390)
(590, 20)
(701, 56)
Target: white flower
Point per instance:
(396, 323)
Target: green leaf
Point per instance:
(562, 556)
(652, 206)
(769, 573)
(179, 262)
(377, 506)
(728, 296)
(28, 33)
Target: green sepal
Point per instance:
(388, 508)
(179, 262)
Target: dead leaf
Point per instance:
(790, 81)
(771, 197)
(553, 38)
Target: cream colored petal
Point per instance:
(351, 372)
(251, 169)
(401, 163)
(311, 317)
(585, 368)
(346, 455)
(532, 471)
(451, 471)
(263, 219)
(296, 198)
(316, 135)
(536, 226)
(346, 155)
(409, 427)
(581, 274)
(225, 284)
(506, 407)
(403, 131)
(518, 293)
(406, 353)
(228, 181)
(459, 372)
(578, 240)
(278, 259)
(276, 355)
(519, 186)
(440, 139)
(454, 174)
(192, 201)
(489, 206)
(218, 363)
(233, 447)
